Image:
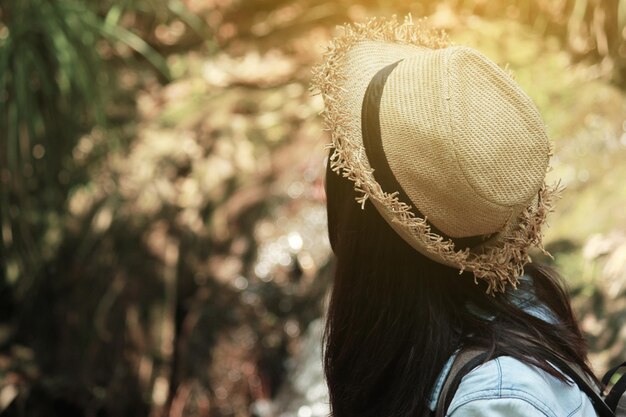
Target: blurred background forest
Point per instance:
(163, 242)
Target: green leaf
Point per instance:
(121, 34)
(193, 21)
(113, 16)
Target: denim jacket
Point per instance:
(507, 387)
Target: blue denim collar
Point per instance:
(524, 299)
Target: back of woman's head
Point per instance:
(396, 316)
(447, 157)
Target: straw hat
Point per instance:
(443, 142)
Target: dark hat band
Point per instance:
(372, 142)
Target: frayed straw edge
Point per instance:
(498, 266)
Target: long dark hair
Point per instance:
(395, 316)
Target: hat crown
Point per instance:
(466, 144)
(504, 141)
(443, 143)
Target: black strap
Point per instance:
(578, 377)
(456, 380)
(465, 361)
(613, 397)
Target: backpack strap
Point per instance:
(585, 385)
(465, 361)
(616, 398)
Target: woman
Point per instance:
(446, 157)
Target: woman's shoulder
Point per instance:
(506, 386)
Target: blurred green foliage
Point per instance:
(49, 69)
(53, 88)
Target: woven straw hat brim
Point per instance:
(498, 260)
